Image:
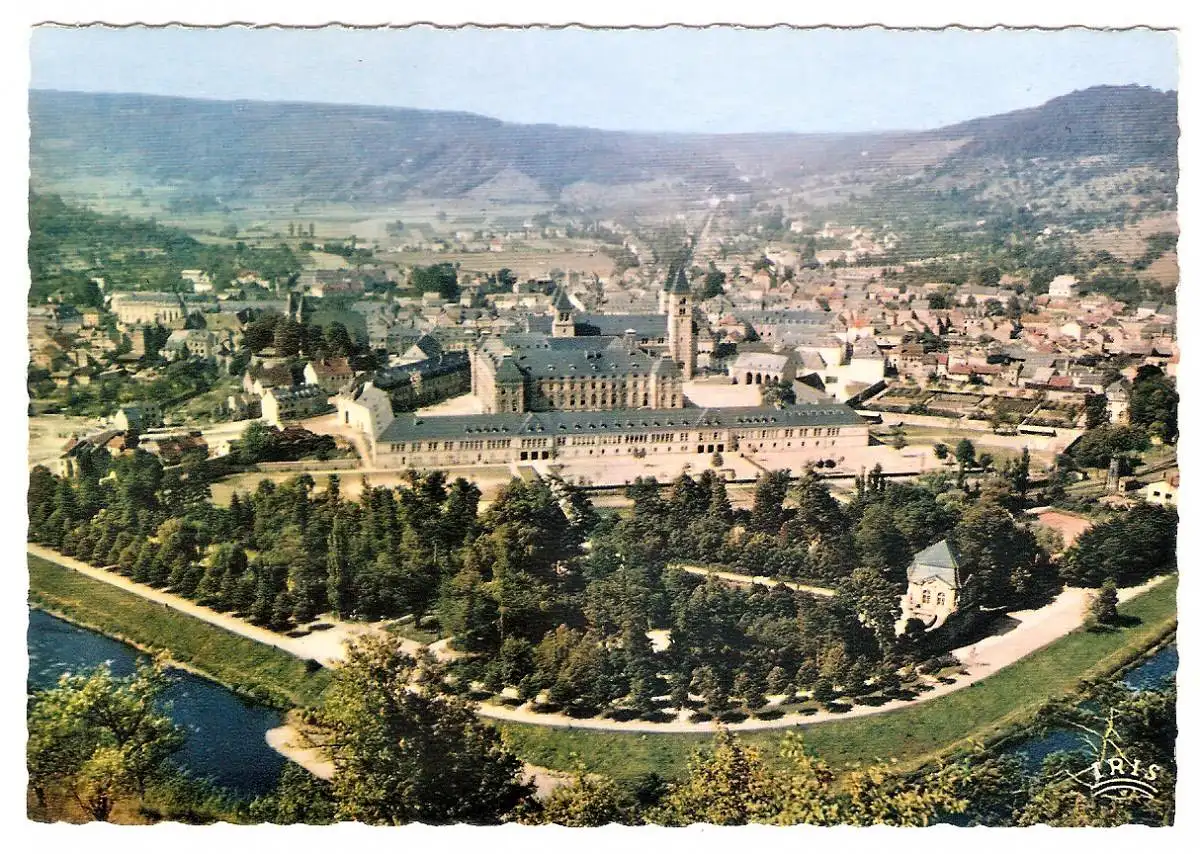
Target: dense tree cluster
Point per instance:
(1097, 447)
(1154, 403)
(1128, 549)
(534, 609)
(261, 443)
(279, 555)
(292, 339)
(441, 279)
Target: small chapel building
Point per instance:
(935, 586)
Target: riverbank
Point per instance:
(1130, 661)
(981, 713)
(914, 734)
(262, 673)
(325, 647)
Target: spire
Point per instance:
(677, 282)
(561, 301)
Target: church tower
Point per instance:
(563, 325)
(681, 330)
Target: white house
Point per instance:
(1064, 287)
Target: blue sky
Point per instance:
(716, 80)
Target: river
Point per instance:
(226, 735)
(1156, 671)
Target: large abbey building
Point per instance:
(591, 362)
(596, 391)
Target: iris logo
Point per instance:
(1120, 776)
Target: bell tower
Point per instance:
(681, 329)
(563, 325)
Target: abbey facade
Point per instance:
(591, 363)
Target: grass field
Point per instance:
(911, 736)
(260, 671)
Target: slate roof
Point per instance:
(645, 325)
(408, 427)
(787, 318)
(937, 561)
(677, 282)
(300, 392)
(561, 301)
(596, 362)
(450, 362)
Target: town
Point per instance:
(608, 493)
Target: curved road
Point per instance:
(738, 578)
(1034, 629)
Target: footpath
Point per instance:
(1026, 632)
(326, 646)
(739, 578)
(1033, 630)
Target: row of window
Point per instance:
(628, 439)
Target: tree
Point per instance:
(440, 278)
(338, 341)
(590, 800)
(779, 395)
(989, 276)
(713, 283)
(298, 798)
(899, 439)
(875, 601)
(1129, 549)
(287, 337)
(767, 514)
(1096, 408)
(730, 784)
(1017, 472)
(100, 737)
(1154, 403)
(401, 756)
(964, 454)
(1096, 448)
(256, 443)
(996, 551)
(340, 577)
(879, 543)
(1103, 608)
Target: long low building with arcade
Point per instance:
(809, 431)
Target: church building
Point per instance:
(601, 363)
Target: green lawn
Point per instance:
(912, 735)
(261, 671)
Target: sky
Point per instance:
(676, 80)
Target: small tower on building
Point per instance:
(563, 325)
(681, 329)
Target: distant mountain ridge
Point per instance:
(331, 152)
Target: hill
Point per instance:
(1134, 125)
(338, 153)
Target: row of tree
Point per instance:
(402, 755)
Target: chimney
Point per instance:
(631, 341)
